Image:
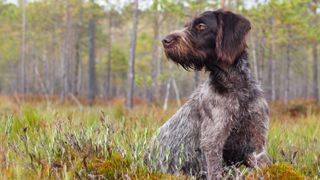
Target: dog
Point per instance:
(226, 119)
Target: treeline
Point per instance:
(82, 48)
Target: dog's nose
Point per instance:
(168, 40)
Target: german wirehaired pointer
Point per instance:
(225, 121)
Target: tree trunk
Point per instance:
(44, 74)
(130, 86)
(23, 50)
(155, 62)
(305, 84)
(91, 67)
(262, 56)
(78, 54)
(108, 67)
(287, 70)
(166, 99)
(77, 67)
(315, 73)
(271, 83)
(222, 3)
(33, 88)
(65, 52)
(287, 75)
(42, 82)
(176, 90)
(80, 78)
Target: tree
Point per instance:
(222, 3)
(155, 61)
(287, 66)
(23, 49)
(315, 43)
(91, 67)
(66, 50)
(271, 71)
(77, 68)
(109, 46)
(131, 75)
(315, 72)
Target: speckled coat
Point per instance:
(225, 121)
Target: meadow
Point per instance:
(48, 140)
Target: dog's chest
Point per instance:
(212, 104)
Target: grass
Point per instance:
(40, 140)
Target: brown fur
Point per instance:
(226, 119)
(229, 46)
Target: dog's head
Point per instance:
(213, 38)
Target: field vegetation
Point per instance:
(41, 139)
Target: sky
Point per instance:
(119, 3)
(249, 3)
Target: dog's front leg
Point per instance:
(214, 133)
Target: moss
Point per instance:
(281, 171)
(110, 168)
(118, 167)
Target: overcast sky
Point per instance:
(248, 2)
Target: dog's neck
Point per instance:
(233, 78)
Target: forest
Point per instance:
(85, 83)
(81, 48)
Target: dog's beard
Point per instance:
(186, 61)
(186, 56)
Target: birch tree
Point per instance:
(133, 39)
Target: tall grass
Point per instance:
(51, 141)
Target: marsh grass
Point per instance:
(50, 141)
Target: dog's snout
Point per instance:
(168, 40)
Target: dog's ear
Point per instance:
(230, 40)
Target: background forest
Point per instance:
(81, 48)
(84, 84)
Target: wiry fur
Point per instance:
(229, 45)
(184, 54)
(224, 120)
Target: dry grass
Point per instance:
(41, 140)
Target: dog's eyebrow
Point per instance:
(197, 21)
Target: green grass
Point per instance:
(49, 141)
(297, 143)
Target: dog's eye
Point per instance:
(201, 27)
